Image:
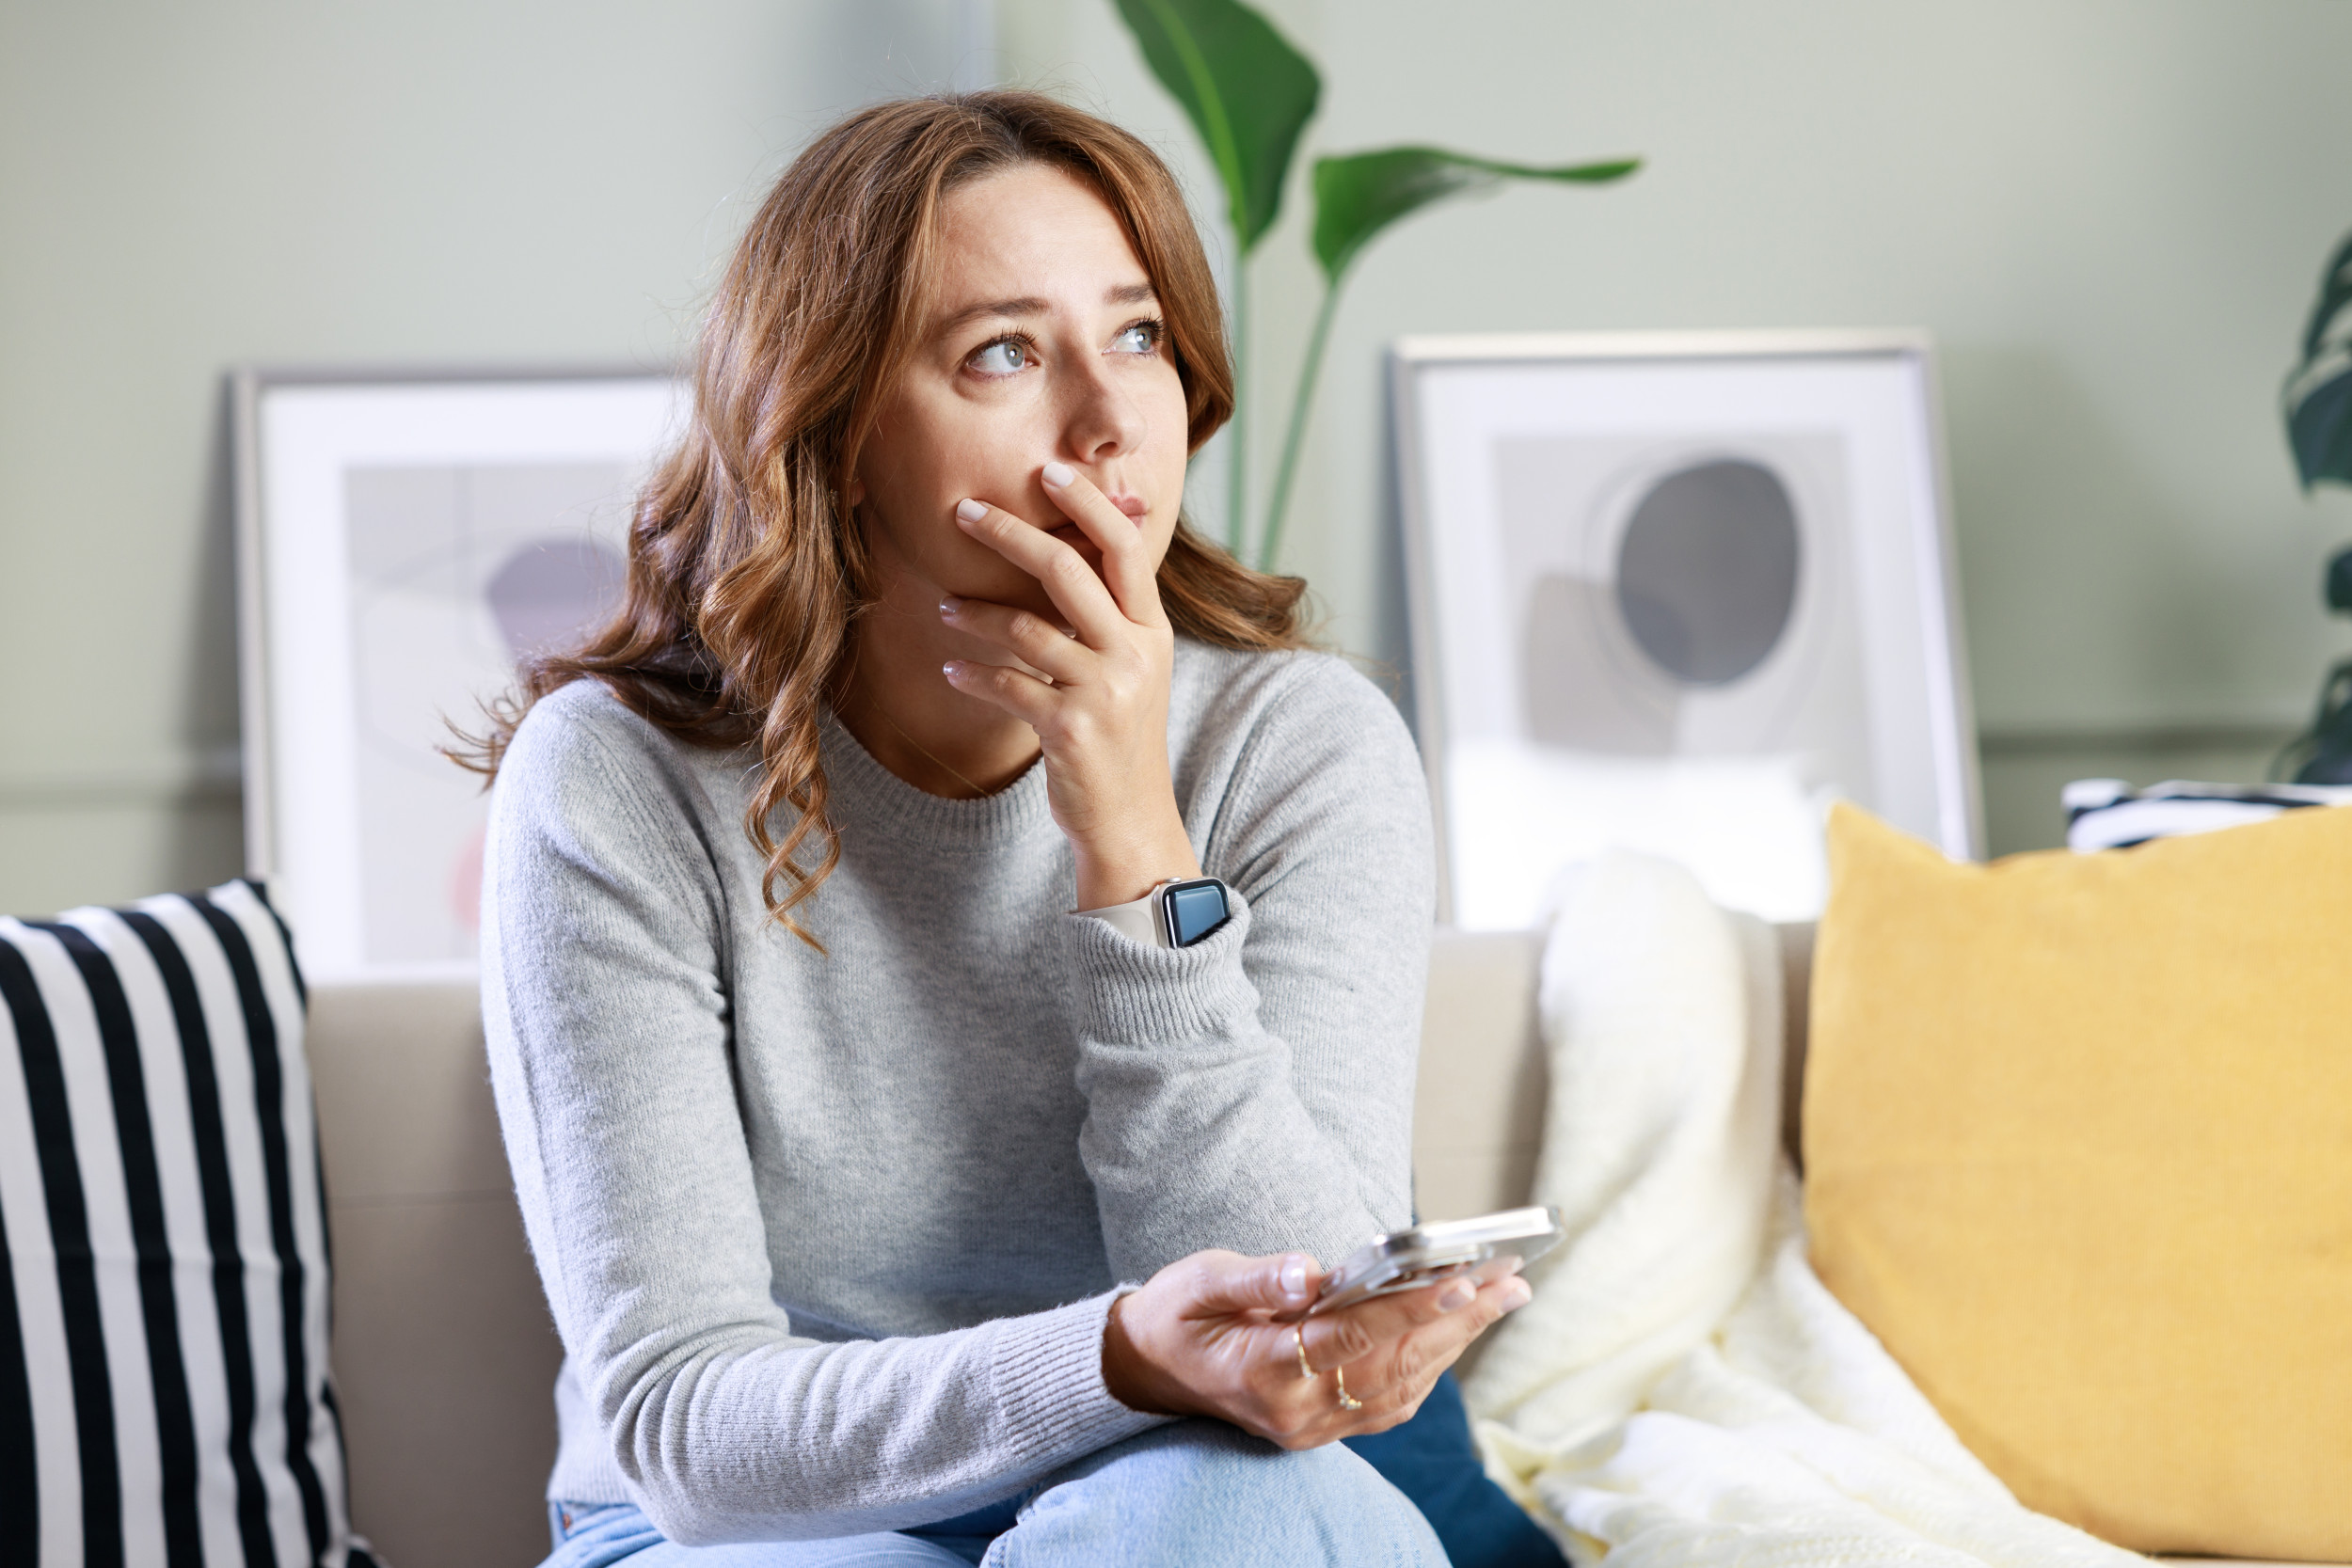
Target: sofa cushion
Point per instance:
(163, 1393)
(2078, 1147)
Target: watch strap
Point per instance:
(1170, 914)
(1139, 920)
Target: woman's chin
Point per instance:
(1087, 550)
(993, 580)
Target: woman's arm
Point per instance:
(608, 1036)
(1255, 1091)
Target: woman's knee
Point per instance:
(1202, 1492)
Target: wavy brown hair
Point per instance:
(746, 571)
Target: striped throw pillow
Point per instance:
(164, 1391)
(2108, 813)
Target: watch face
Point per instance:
(1195, 910)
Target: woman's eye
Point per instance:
(1141, 338)
(1002, 359)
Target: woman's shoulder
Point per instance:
(581, 748)
(1290, 755)
(1299, 733)
(581, 724)
(1297, 691)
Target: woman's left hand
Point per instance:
(1098, 699)
(1220, 1334)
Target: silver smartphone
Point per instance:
(1487, 1247)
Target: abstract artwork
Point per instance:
(406, 542)
(1674, 594)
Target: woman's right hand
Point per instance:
(1217, 1334)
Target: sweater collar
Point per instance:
(862, 791)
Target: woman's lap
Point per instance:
(1192, 1493)
(605, 1537)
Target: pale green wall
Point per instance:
(185, 186)
(2110, 212)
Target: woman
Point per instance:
(836, 1131)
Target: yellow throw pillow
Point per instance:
(2078, 1150)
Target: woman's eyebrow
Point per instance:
(1030, 305)
(1027, 305)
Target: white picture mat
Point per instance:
(1458, 400)
(307, 834)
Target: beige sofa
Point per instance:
(444, 1353)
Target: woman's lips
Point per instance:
(1132, 505)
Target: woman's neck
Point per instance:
(898, 706)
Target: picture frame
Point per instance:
(1673, 592)
(403, 536)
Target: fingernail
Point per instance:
(1516, 1294)
(971, 511)
(1060, 474)
(1456, 1296)
(951, 668)
(1294, 1277)
(949, 604)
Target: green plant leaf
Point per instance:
(1360, 195)
(1248, 93)
(2339, 582)
(2318, 394)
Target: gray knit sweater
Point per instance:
(830, 1236)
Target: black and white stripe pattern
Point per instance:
(163, 1393)
(2108, 813)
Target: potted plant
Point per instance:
(2318, 408)
(1250, 93)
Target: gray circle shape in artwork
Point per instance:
(1706, 573)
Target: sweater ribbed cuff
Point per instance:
(1127, 993)
(1047, 1368)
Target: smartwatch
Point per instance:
(1176, 913)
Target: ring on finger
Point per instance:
(1298, 1332)
(1347, 1400)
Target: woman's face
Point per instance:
(1044, 343)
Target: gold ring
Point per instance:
(1298, 1331)
(1347, 1400)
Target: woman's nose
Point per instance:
(1101, 418)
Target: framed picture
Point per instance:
(404, 537)
(1674, 593)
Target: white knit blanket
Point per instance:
(1683, 1389)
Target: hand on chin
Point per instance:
(1072, 536)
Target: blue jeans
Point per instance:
(1193, 1495)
